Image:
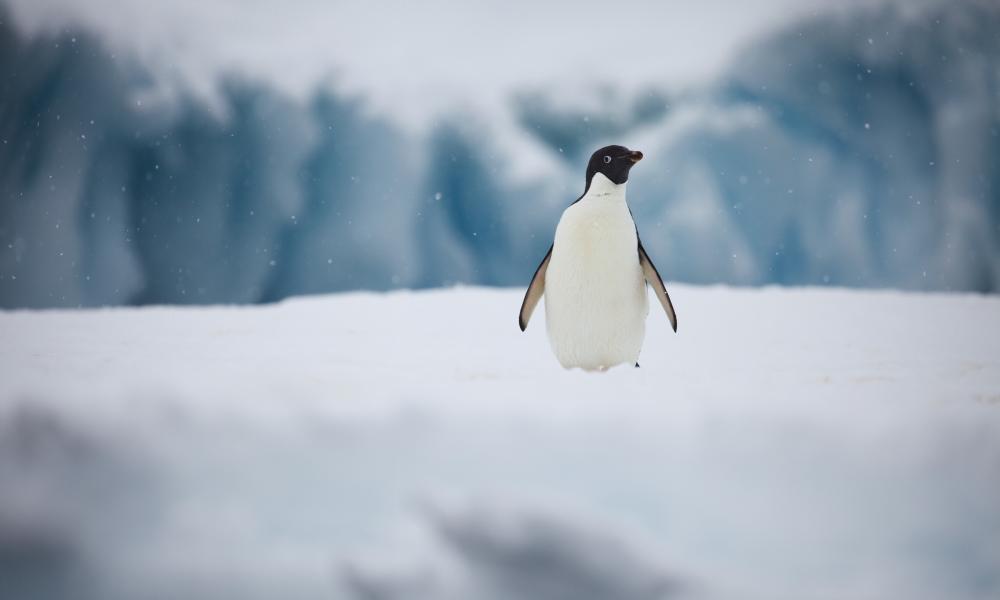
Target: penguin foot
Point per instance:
(636, 365)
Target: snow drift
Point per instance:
(785, 444)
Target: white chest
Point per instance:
(596, 239)
(595, 295)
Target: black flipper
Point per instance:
(653, 279)
(534, 293)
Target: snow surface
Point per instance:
(785, 443)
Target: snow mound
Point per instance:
(785, 443)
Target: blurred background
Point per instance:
(785, 444)
(244, 151)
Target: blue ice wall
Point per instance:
(861, 149)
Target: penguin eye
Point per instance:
(607, 159)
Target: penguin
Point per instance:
(595, 274)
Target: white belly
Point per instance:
(595, 294)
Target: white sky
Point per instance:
(412, 57)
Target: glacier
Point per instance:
(859, 148)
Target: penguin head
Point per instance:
(614, 162)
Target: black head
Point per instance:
(614, 162)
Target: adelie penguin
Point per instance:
(594, 275)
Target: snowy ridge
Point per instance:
(786, 443)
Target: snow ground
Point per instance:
(807, 443)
